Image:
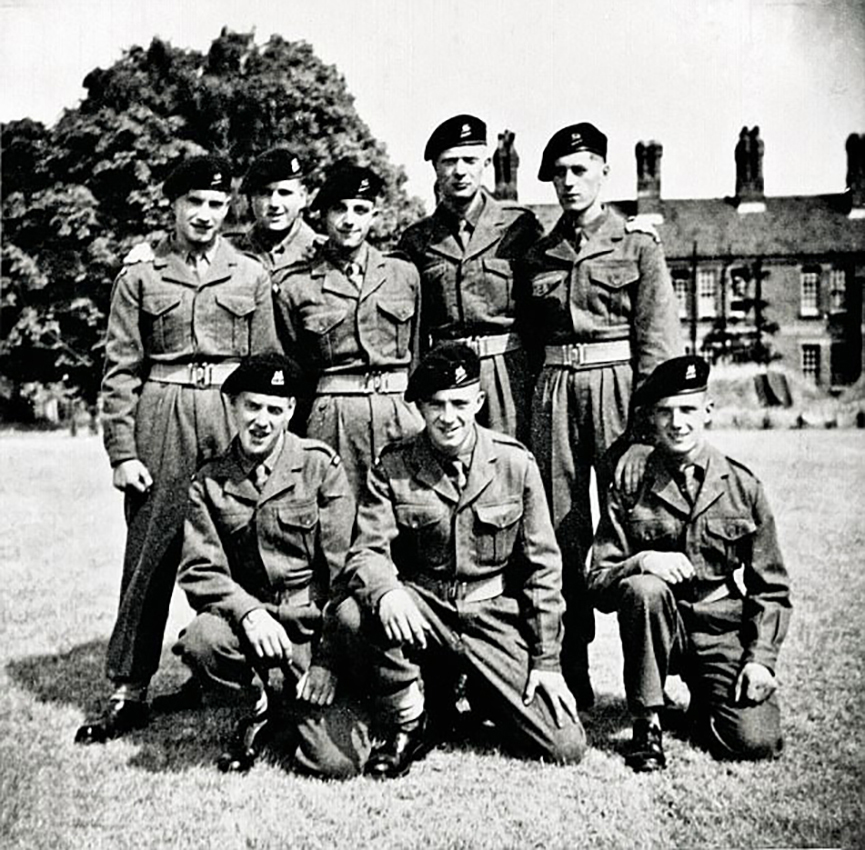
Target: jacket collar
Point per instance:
(661, 483)
(171, 265)
(488, 229)
(283, 477)
(602, 240)
(332, 279)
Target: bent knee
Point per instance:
(644, 590)
(566, 745)
(750, 734)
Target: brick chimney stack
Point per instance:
(856, 174)
(749, 172)
(649, 181)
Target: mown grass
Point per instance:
(60, 543)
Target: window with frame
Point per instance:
(681, 286)
(707, 292)
(809, 292)
(838, 290)
(811, 362)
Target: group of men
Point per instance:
(409, 556)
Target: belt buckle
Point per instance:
(454, 589)
(200, 374)
(576, 354)
(374, 381)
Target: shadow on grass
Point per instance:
(170, 742)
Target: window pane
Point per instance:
(706, 290)
(809, 304)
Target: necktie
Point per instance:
(259, 476)
(464, 234)
(354, 273)
(457, 473)
(198, 264)
(690, 482)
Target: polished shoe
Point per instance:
(187, 697)
(119, 717)
(407, 743)
(647, 749)
(249, 738)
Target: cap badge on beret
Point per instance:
(460, 374)
(278, 379)
(691, 373)
(295, 164)
(466, 131)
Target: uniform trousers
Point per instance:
(506, 381)
(177, 428)
(358, 427)
(482, 639)
(576, 416)
(702, 643)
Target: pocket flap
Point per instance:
(502, 268)
(614, 274)
(500, 516)
(418, 516)
(303, 516)
(157, 303)
(401, 311)
(547, 282)
(239, 305)
(731, 528)
(322, 322)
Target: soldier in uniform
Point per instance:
(465, 252)
(274, 186)
(266, 534)
(454, 560)
(692, 567)
(178, 325)
(351, 314)
(603, 313)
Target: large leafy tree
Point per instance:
(77, 195)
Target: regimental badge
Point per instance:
(466, 131)
(691, 373)
(576, 138)
(460, 374)
(278, 379)
(364, 185)
(295, 165)
(217, 179)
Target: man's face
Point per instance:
(348, 222)
(450, 417)
(260, 419)
(578, 178)
(680, 423)
(459, 172)
(199, 214)
(276, 206)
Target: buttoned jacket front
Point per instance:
(728, 535)
(617, 287)
(334, 327)
(413, 523)
(470, 291)
(162, 313)
(243, 548)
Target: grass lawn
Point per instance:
(60, 545)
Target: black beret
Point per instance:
(448, 366)
(348, 181)
(456, 131)
(271, 167)
(208, 171)
(679, 376)
(576, 137)
(268, 374)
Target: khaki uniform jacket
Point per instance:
(161, 313)
(413, 522)
(728, 536)
(616, 288)
(333, 327)
(242, 548)
(470, 292)
(296, 247)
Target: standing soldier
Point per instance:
(465, 253)
(274, 186)
(604, 313)
(351, 315)
(178, 326)
(265, 540)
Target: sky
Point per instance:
(688, 73)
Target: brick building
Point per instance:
(782, 273)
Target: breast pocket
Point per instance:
(394, 327)
(164, 326)
(659, 535)
(424, 535)
(297, 524)
(323, 329)
(234, 318)
(496, 527)
(726, 543)
(612, 287)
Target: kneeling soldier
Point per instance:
(692, 567)
(265, 540)
(454, 561)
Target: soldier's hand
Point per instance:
(754, 684)
(401, 619)
(672, 567)
(553, 684)
(140, 253)
(631, 468)
(317, 686)
(266, 636)
(132, 475)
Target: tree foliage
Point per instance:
(77, 195)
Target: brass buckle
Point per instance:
(576, 354)
(200, 373)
